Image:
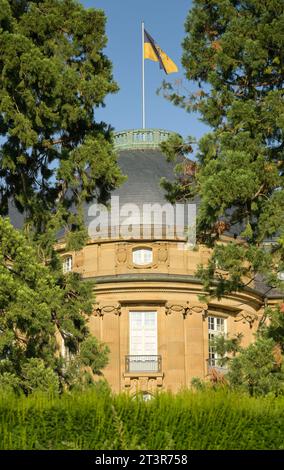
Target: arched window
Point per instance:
(147, 396)
(142, 256)
(67, 264)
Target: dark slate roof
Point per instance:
(261, 286)
(144, 169)
(15, 216)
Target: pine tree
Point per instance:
(255, 369)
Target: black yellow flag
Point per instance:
(153, 52)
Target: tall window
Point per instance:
(142, 256)
(67, 264)
(143, 341)
(216, 326)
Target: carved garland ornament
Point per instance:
(247, 317)
(101, 309)
(186, 309)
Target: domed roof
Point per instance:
(141, 160)
(140, 200)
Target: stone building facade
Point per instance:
(149, 307)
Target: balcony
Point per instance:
(152, 364)
(212, 365)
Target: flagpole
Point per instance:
(143, 79)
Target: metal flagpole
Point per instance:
(143, 79)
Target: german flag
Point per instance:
(153, 52)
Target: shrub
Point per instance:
(98, 420)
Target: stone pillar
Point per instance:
(195, 343)
(109, 314)
(175, 372)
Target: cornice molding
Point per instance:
(160, 277)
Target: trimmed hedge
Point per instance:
(97, 420)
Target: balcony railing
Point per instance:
(140, 139)
(143, 363)
(212, 364)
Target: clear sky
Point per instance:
(164, 20)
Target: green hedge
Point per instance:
(97, 420)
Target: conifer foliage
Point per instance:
(39, 309)
(54, 75)
(54, 157)
(234, 52)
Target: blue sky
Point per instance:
(164, 20)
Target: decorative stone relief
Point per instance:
(187, 309)
(121, 254)
(134, 386)
(159, 381)
(200, 308)
(162, 253)
(205, 314)
(247, 317)
(184, 309)
(152, 385)
(127, 382)
(79, 259)
(142, 384)
(101, 309)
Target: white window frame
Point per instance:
(219, 328)
(67, 264)
(142, 256)
(143, 333)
